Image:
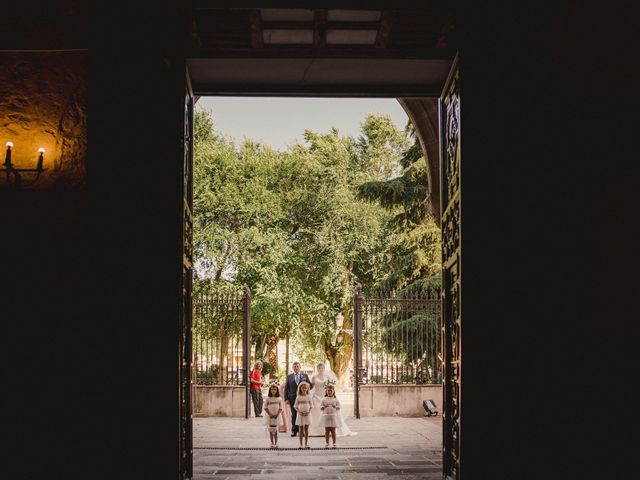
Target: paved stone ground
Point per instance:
(394, 447)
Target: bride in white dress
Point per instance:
(317, 394)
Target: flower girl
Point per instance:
(273, 408)
(330, 407)
(303, 407)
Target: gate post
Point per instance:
(246, 347)
(357, 341)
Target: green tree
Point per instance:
(341, 239)
(237, 216)
(295, 227)
(415, 245)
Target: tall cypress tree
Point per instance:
(415, 253)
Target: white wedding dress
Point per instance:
(315, 430)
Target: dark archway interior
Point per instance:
(90, 273)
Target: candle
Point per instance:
(40, 158)
(7, 159)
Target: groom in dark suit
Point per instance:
(291, 392)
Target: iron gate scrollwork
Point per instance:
(185, 440)
(450, 171)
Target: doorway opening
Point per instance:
(323, 251)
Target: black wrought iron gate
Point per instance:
(450, 181)
(222, 340)
(396, 339)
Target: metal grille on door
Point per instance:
(450, 171)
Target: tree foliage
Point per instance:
(301, 227)
(415, 251)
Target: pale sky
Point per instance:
(279, 121)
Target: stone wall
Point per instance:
(375, 401)
(392, 400)
(218, 401)
(43, 103)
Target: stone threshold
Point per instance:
(290, 448)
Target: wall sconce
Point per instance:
(14, 175)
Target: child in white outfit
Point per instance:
(273, 408)
(330, 419)
(303, 406)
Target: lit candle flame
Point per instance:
(9, 144)
(41, 150)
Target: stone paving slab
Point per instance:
(237, 448)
